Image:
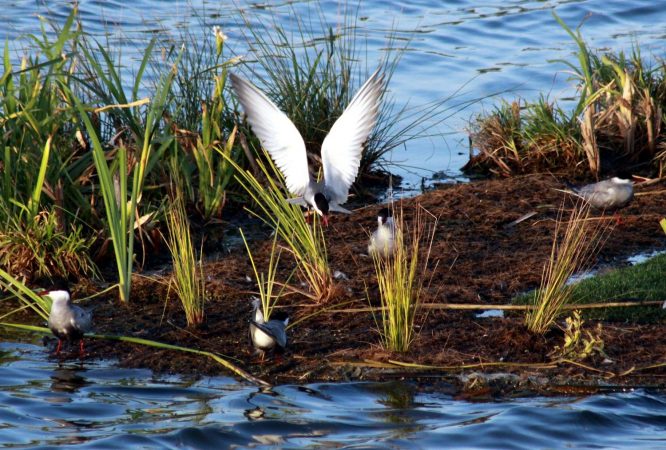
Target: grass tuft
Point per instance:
(266, 283)
(304, 241)
(313, 73)
(576, 242)
(188, 278)
(401, 279)
(617, 121)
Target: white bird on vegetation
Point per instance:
(265, 335)
(340, 152)
(611, 194)
(68, 321)
(382, 240)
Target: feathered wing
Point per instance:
(275, 329)
(277, 134)
(82, 319)
(342, 148)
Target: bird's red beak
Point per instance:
(42, 293)
(324, 219)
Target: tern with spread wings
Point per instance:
(340, 152)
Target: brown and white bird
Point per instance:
(67, 321)
(340, 152)
(266, 335)
(382, 240)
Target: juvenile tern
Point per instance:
(382, 240)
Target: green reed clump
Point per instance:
(188, 280)
(401, 279)
(576, 242)
(40, 247)
(41, 305)
(204, 123)
(122, 200)
(619, 111)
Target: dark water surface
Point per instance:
(481, 47)
(486, 47)
(95, 405)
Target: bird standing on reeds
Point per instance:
(68, 321)
(340, 152)
(382, 240)
(265, 335)
(607, 195)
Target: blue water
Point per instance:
(96, 405)
(460, 48)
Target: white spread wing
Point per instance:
(342, 148)
(277, 134)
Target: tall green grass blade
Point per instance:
(40, 305)
(33, 205)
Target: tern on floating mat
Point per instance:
(340, 151)
(614, 193)
(382, 240)
(66, 320)
(266, 335)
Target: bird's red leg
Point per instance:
(59, 347)
(618, 219)
(82, 350)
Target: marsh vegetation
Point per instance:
(90, 163)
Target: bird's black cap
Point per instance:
(384, 214)
(321, 203)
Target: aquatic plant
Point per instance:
(113, 180)
(204, 123)
(305, 241)
(401, 278)
(617, 121)
(187, 280)
(39, 304)
(35, 247)
(576, 241)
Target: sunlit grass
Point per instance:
(401, 278)
(577, 240)
(644, 281)
(618, 110)
(188, 279)
(114, 179)
(266, 283)
(304, 241)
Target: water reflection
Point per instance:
(68, 379)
